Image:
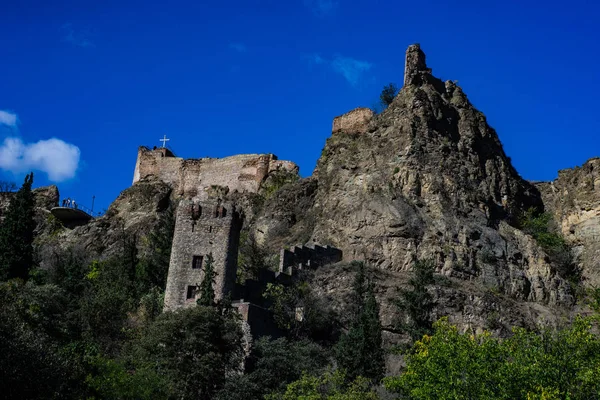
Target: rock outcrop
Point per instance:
(427, 179)
(574, 200)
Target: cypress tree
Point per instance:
(417, 304)
(359, 351)
(16, 234)
(207, 293)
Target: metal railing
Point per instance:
(83, 208)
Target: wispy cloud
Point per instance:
(239, 47)
(351, 69)
(322, 8)
(76, 38)
(55, 157)
(9, 119)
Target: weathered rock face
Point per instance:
(574, 199)
(46, 197)
(134, 214)
(427, 178)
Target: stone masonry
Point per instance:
(415, 65)
(355, 121)
(193, 177)
(202, 228)
(310, 256)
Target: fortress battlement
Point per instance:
(308, 256)
(192, 177)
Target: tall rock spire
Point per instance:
(414, 65)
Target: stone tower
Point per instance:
(202, 228)
(415, 64)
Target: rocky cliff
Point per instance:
(425, 179)
(574, 200)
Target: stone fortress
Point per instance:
(206, 224)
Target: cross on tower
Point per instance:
(164, 140)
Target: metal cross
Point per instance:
(164, 140)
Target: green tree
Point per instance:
(329, 386)
(417, 304)
(16, 234)
(543, 228)
(563, 364)
(207, 292)
(153, 266)
(388, 94)
(196, 349)
(272, 365)
(34, 359)
(359, 351)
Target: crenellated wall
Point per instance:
(311, 256)
(193, 177)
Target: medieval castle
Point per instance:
(206, 225)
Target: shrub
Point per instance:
(543, 229)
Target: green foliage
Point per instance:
(153, 265)
(207, 293)
(319, 320)
(105, 302)
(272, 365)
(388, 94)
(16, 234)
(416, 304)
(359, 351)
(34, 362)
(541, 227)
(252, 257)
(562, 364)
(276, 181)
(112, 380)
(329, 386)
(195, 349)
(595, 299)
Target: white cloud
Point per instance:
(351, 69)
(55, 157)
(7, 118)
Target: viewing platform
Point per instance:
(73, 216)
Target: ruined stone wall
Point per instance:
(355, 121)
(415, 64)
(193, 177)
(259, 320)
(307, 257)
(202, 228)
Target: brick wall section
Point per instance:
(192, 177)
(307, 257)
(355, 121)
(201, 228)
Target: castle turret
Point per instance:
(202, 229)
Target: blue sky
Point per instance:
(84, 83)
